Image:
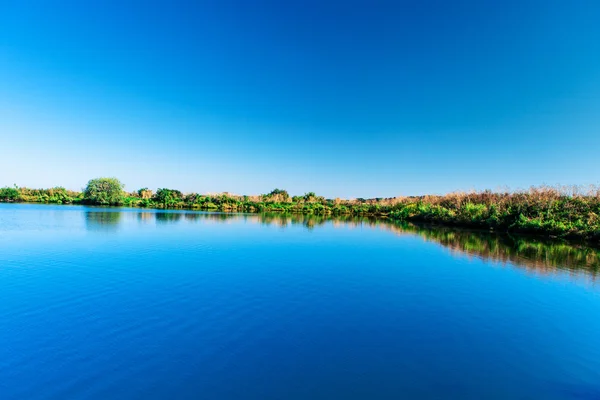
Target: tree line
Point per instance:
(566, 212)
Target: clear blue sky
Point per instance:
(344, 98)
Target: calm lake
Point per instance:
(137, 304)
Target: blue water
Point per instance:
(121, 303)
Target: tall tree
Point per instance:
(104, 191)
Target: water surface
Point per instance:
(126, 303)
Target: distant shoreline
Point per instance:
(543, 212)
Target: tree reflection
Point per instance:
(102, 220)
(168, 217)
(541, 256)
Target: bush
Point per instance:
(104, 191)
(9, 194)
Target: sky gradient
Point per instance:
(346, 99)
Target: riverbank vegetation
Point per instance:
(566, 212)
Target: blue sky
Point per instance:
(347, 99)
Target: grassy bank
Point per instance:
(569, 213)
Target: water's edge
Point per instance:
(528, 251)
(573, 240)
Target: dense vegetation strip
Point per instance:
(547, 211)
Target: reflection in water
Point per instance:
(146, 217)
(102, 220)
(541, 256)
(168, 217)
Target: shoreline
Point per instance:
(389, 215)
(565, 212)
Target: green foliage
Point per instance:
(57, 195)
(168, 197)
(104, 191)
(310, 197)
(541, 211)
(8, 194)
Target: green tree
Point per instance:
(168, 197)
(311, 197)
(9, 194)
(59, 195)
(104, 191)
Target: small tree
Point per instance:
(9, 194)
(104, 191)
(277, 196)
(310, 197)
(168, 197)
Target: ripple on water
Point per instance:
(195, 305)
